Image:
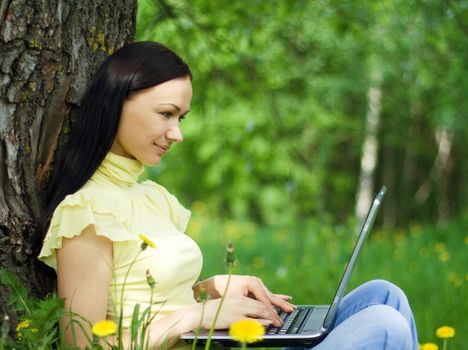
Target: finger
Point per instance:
(264, 315)
(256, 309)
(262, 294)
(284, 297)
(279, 301)
(258, 290)
(273, 295)
(264, 322)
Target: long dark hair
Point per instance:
(135, 66)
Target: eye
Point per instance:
(182, 117)
(166, 114)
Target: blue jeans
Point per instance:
(376, 315)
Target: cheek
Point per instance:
(153, 129)
(142, 128)
(128, 131)
(136, 128)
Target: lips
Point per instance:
(161, 149)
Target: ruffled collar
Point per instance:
(120, 169)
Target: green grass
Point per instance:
(429, 264)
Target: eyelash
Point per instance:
(169, 114)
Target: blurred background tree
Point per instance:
(303, 108)
(301, 111)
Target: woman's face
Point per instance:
(149, 123)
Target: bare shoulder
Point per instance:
(88, 247)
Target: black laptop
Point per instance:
(308, 325)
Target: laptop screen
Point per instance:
(331, 315)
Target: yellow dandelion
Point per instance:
(445, 332)
(246, 331)
(199, 208)
(233, 229)
(258, 262)
(104, 328)
(429, 346)
(415, 230)
(439, 247)
(22, 325)
(399, 236)
(455, 279)
(444, 256)
(146, 242)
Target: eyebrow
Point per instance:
(175, 106)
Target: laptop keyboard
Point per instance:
(292, 322)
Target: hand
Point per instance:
(248, 286)
(235, 309)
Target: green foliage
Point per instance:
(306, 261)
(19, 295)
(280, 99)
(39, 321)
(38, 325)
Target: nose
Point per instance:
(174, 133)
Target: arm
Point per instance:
(249, 286)
(171, 327)
(84, 273)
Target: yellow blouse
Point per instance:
(121, 209)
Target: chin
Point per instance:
(151, 161)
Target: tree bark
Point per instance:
(369, 150)
(49, 49)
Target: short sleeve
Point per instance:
(76, 212)
(180, 216)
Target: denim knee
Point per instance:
(383, 285)
(390, 326)
(389, 290)
(378, 327)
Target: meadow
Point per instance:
(306, 261)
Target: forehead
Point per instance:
(177, 91)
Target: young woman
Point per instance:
(97, 212)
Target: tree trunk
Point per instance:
(410, 167)
(439, 174)
(48, 51)
(369, 150)
(390, 217)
